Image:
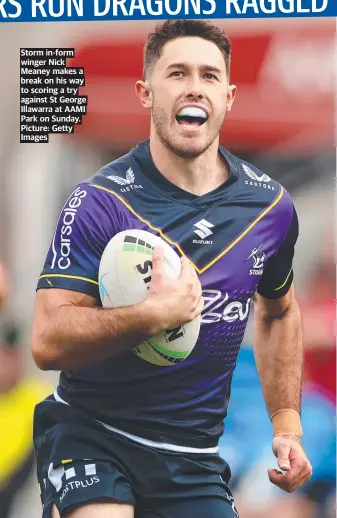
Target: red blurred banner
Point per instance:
(284, 73)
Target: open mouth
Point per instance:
(191, 117)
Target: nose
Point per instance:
(194, 89)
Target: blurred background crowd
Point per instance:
(282, 121)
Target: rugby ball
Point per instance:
(124, 278)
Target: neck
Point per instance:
(196, 175)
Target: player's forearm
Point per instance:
(279, 358)
(73, 337)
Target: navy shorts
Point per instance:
(80, 461)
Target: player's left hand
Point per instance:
(293, 462)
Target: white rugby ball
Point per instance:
(124, 277)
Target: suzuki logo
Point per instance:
(203, 227)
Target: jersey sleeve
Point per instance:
(84, 228)
(278, 274)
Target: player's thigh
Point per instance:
(98, 510)
(207, 507)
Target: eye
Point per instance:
(176, 73)
(211, 76)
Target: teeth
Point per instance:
(192, 111)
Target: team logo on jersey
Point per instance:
(203, 230)
(258, 261)
(128, 182)
(256, 180)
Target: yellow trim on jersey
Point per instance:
(245, 232)
(141, 218)
(67, 461)
(68, 277)
(285, 282)
(202, 270)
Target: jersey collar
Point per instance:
(143, 160)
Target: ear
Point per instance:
(231, 93)
(144, 93)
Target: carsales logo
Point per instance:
(67, 217)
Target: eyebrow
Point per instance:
(202, 67)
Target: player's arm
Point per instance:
(278, 351)
(70, 328)
(279, 357)
(278, 329)
(70, 331)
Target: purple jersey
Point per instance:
(240, 238)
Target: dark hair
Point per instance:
(173, 29)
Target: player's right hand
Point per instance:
(292, 460)
(173, 302)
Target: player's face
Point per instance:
(189, 94)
